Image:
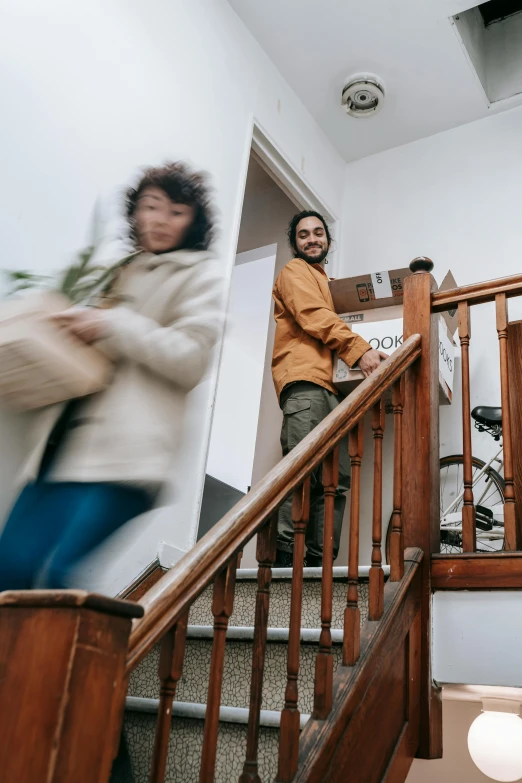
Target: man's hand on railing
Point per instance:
(370, 361)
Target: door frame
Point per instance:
(291, 181)
(294, 184)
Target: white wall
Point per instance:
(456, 766)
(477, 636)
(266, 215)
(236, 407)
(92, 90)
(455, 197)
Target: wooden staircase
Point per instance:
(186, 731)
(302, 673)
(319, 677)
(189, 709)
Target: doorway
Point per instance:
(244, 440)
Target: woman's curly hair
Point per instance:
(182, 186)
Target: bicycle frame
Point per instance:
(476, 479)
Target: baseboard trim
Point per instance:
(339, 572)
(245, 633)
(143, 582)
(476, 571)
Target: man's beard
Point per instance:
(317, 259)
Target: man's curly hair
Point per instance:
(182, 186)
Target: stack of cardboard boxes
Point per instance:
(372, 305)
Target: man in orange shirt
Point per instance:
(308, 331)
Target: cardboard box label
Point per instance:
(446, 354)
(381, 285)
(352, 319)
(382, 335)
(387, 336)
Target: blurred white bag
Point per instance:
(41, 364)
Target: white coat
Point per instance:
(160, 338)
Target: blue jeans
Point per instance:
(59, 523)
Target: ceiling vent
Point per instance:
(491, 36)
(498, 10)
(362, 96)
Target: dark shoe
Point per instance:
(284, 559)
(313, 561)
(122, 765)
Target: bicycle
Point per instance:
(488, 492)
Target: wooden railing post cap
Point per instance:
(421, 264)
(70, 599)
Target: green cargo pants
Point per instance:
(304, 406)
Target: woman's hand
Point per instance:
(88, 324)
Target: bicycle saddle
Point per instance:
(488, 416)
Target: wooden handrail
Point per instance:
(476, 293)
(176, 591)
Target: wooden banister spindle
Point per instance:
(396, 537)
(352, 616)
(376, 586)
(170, 668)
(323, 690)
(290, 718)
(469, 530)
(222, 605)
(266, 554)
(510, 527)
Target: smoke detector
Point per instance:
(362, 96)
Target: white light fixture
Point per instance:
(495, 740)
(362, 95)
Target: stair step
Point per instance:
(186, 739)
(280, 590)
(187, 709)
(193, 686)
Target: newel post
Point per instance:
(62, 684)
(421, 512)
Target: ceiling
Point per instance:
(410, 44)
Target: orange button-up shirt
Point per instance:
(308, 329)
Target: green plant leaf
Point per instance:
(80, 279)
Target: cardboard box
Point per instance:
(41, 364)
(366, 305)
(379, 289)
(386, 335)
(359, 295)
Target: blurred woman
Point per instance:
(97, 462)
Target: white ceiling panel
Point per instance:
(410, 44)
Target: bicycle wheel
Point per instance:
(488, 493)
(488, 496)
